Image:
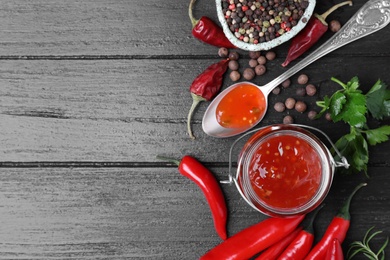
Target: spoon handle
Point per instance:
(371, 17)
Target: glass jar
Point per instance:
(285, 170)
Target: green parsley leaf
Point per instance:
(378, 135)
(354, 148)
(353, 111)
(336, 103)
(353, 107)
(378, 100)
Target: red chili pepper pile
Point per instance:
(313, 31)
(207, 31)
(205, 87)
(282, 239)
(199, 174)
(254, 239)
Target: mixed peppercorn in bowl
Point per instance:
(256, 25)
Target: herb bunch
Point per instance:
(351, 106)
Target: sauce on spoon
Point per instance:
(241, 107)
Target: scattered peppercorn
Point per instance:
(276, 91)
(253, 63)
(262, 60)
(235, 75)
(311, 90)
(223, 52)
(233, 65)
(270, 55)
(328, 117)
(279, 107)
(334, 26)
(312, 114)
(260, 70)
(300, 92)
(288, 120)
(286, 83)
(290, 103)
(248, 74)
(254, 54)
(303, 79)
(300, 106)
(233, 55)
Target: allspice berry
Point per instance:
(235, 75)
(290, 103)
(223, 52)
(288, 120)
(303, 79)
(279, 107)
(248, 74)
(260, 69)
(233, 65)
(334, 26)
(300, 106)
(311, 90)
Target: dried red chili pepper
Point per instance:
(276, 249)
(313, 31)
(301, 245)
(207, 31)
(199, 174)
(205, 87)
(337, 229)
(335, 251)
(254, 239)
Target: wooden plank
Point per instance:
(123, 28)
(112, 110)
(103, 27)
(143, 213)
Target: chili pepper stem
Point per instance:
(309, 228)
(333, 8)
(195, 102)
(190, 14)
(175, 161)
(344, 210)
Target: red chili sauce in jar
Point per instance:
(285, 171)
(241, 107)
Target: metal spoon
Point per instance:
(371, 17)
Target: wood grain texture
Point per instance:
(141, 213)
(128, 29)
(118, 110)
(92, 91)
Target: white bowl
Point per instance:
(269, 44)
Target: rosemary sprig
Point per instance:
(363, 247)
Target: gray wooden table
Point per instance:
(92, 91)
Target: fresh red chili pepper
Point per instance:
(313, 31)
(254, 239)
(198, 173)
(276, 249)
(205, 87)
(335, 251)
(302, 243)
(207, 31)
(337, 229)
